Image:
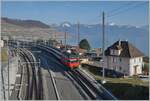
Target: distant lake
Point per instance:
(137, 36)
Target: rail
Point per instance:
(33, 84)
(99, 93)
(54, 84)
(83, 85)
(22, 78)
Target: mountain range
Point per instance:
(138, 36)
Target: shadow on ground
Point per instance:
(124, 91)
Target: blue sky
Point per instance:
(123, 12)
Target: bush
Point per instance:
(146, 68)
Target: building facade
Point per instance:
(123, 57)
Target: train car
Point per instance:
(70, 58)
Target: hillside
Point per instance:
(27, 29)
(25, 23)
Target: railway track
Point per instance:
(29, 88)
(33, 77)
(38, 78)
(29, 81)
(85, 89)
(26, 74)
(40, 84)
(21, 83)
(92, 91)
(54, 85)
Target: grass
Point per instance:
(124, 88)
(133, 81)
(4, 56)
(127, 91)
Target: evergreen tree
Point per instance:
(84, 44)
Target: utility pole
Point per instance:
(103, 32)
(55, 38)
(78, 35)
(8, 66)
(65, 38)
(78, 39)
(3, 83)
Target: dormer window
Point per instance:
(115, 52)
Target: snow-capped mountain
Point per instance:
(139, 36)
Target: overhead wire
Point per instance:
(120, 7)
(98, 18)
(126, 9)
(117, 11)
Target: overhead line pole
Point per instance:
(78, 35)
(65, 38)
(78, 39)
(103, 32)
(8, 67)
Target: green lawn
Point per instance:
(125, 88)
(133, 80)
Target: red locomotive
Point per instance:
(70, 58)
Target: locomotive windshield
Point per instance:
(71, 54)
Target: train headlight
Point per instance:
(68, 51)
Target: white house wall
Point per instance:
(121, 66)
(136, 62)
(126, 64)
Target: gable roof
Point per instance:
(127, 49)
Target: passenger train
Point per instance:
(70, 58)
